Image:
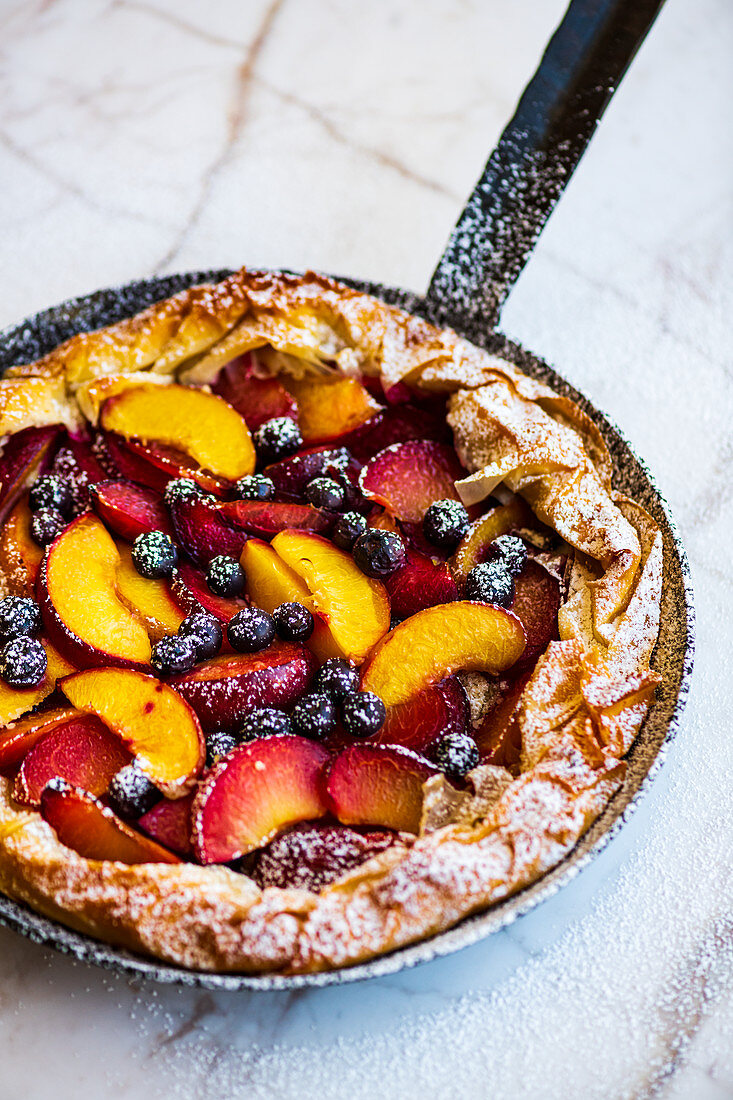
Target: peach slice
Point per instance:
(416, 724)
(15, 702)
(439, 641)
(200, 424)
(408, 477)
(355, 607)
(93, 831)
(330, 407)
(256, 399)
(222, 689)
(265, 518)
(20, 556)
(190, 590)
(270, 581)
(378, 785)
(256, 791)
(419, 583)
(169, 822)
(152, 464)
(84, 616)
(82, 751)
(129, 510)
(153, 721)
(474, 546)
(17, 739)
(150, 600)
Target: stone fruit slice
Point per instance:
(378, 785)
(439, 641)
(498, 737)
(16, 740)
(329, 408)
(82, 751)
(190, 590)
(419, 583)
(259, 789)
(270, 581)
(222, 689)
(256, 399)
(150, 600)
(82, 612)
(93, 831)
(25, 455)
(20, 556)
(153, 464)
(77, 462)
(169, 822)
(474, 546)
(291, 475)
(200, 424)
(395, 425)
(265, 518)
(153, 721)
(436, 710)
(536, 604)
(309, 857)
(203, 530)
(129, 510)
(408, 477)
(354, 607)
(15, 702)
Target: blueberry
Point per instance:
(362, 713)
(264, 722)
(445, 523)
(378, 553)
(51, 491)
(46, 524)
(250, 630)
(154, 555)
(131, 794)
(218, 744)
(293, 622)
(23, 662)
(255, 487)
(181, 488)
(19, 615)
(314, 716)
(490, 583)
(205, 632)
(225, 576)
(277, 438)
(348, 528)
(325, 492)
(511, 552)
(456, 754)
(336, 677)
(174, 654)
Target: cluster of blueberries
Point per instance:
(51, 501)
(23, 660)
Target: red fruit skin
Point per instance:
(25, 456)
(18, 739)
(408, 477)
(291, 475)
(256, 399)
(221, 690)
(129, 510)
(309, 857)
(203, 531)
(266, 518)
(499, 738)
(537, 599)
(436, 711)
(419, 583)
(397, 424)
(258, 789)
(152, 464)
(169, 823)
(77, 462)
(371, 784)
(83, 752)
(191, 591)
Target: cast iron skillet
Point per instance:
(494, 236)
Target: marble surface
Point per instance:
(142, 136)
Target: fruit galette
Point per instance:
(321, 628)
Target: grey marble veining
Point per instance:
(143, 137)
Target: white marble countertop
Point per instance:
(141, 136)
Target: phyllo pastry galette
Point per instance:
(321, 628)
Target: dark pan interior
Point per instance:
(673, 658)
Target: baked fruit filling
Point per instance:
(248, 622)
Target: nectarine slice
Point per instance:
(129, 510)
(200, 424)
(378, 785)
(265, 518)
(190, 590)
(259, 789)
(355, 607)
(419, 583)
(408, 477)
(474, 546)
(291, 475)
(204, 532)
(256, 399)
(15, 702)
(169, 822)
(150, 600)
(439, 641)
(153, 465)
(536, 604)
(25, 455)
(395, 425)
(82, 751)
(93, 831)
(270, 581)
(20, 556)
(434, 712)
(153, 721)
(16, 740)
(330, 407)
(309, 857)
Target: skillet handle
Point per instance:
(536, 156)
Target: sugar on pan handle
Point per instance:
(536, 156)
